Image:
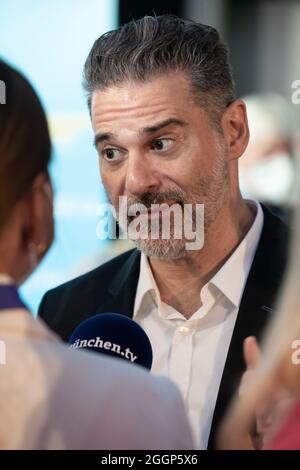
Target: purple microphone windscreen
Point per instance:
(114, 335)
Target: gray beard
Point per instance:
(162, 249)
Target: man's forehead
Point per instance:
(146, 103)
(131, 94)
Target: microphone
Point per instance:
(115, 335)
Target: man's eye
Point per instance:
(162, 144)
(111, 154)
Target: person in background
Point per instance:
(52, 397)
(269, 167)
(270, 389)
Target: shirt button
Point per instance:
(183, 330)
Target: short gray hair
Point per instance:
(143, 49)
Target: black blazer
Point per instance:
(112, 288)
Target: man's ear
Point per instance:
(235, 129)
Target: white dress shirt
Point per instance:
(193, 352)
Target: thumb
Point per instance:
(252, 353)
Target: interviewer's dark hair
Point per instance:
(25, 147)
(143, 49)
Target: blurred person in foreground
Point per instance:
(266, 414)
(169, 131)
(269, 167)
(52, 397)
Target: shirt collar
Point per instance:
(146, 288)
(232, 276)
(229, 280)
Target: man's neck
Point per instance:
(180, 281)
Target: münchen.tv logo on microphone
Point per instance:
(2, 92)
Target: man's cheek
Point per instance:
(105, 180)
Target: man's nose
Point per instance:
(141, 176)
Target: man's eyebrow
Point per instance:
(105, 136)
(102, 137)
(160, 125)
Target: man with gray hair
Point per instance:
(169, 131)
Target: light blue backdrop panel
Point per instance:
(49, 41)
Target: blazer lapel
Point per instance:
(122, 289)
